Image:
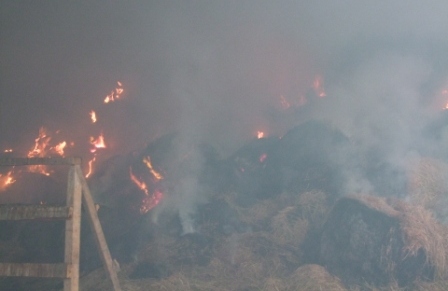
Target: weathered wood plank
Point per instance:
(27, 212)
(73, 230)
(49, 161)
(98, 230)
(35, 270)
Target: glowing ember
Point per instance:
(260, 134)
(114, 95)
(318, 87)
(98, 143)
(157, 175)
(140, 184)
(151, 201)
(93, 116)
(8, 151)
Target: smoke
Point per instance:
(215, 70)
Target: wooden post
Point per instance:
(73, 231)
(76, 187)
(98, 231)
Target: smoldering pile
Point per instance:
(275, 215)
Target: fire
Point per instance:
(8, 151)
(6, 180)
(98, 143)
(318, 86)
(140, 184)
(115, 94)
(42, 148)
(90, 167)
(157, 175)
(263, 157)
(260, 134)
(93, 116)
(60, 148)
(40, 144)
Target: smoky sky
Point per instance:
(216, 69)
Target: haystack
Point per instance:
(369, 240)
(428, 186)
(314, 278)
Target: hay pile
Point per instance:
(428, 186)
(264, 258)
(270, 256)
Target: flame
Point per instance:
(157, 175)
(318, 86)
(260, 134)
(40, 150)
(60, 148)
(90, 167)
(115, 94)
(93, 116)
(140, 184)
(40, 144)
(6, 180)
(98, 143)
(8, 151)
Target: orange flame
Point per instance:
(6, 180)
(260, 134)
(157, 175)
(60, 148)
(115, 94)
(40, 144)
(98, 143)
(90, 168)
(8, 151)
(40, 150)
(140, 184)
(93, 116)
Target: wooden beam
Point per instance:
(98, 231)
(27, 212)
(48, 161)
(60, 270)
(73, 230)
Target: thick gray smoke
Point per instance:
(215, 70)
